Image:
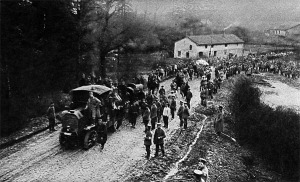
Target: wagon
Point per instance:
(78, 128)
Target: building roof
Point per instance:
(215, 39)
(293, 27)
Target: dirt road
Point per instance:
(41, 158)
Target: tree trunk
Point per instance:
(102, 65)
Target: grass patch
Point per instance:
(274, 133)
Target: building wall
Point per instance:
(277, 32)
(184, 46)
(221, 50)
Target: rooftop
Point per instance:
(215, 39)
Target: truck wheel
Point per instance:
(90, 139)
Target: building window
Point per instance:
(187, 55)
(225, 52)
(215, 53)
(205, 46)
(179, 53)
(212, 46)
(225, 45)
(191, 47)
(200, 54)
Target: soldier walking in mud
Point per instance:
(159, 136)
(173, 107)
(219, 121)
(153, 114)
(180, 112)
(146, 117)
(185, 115)
(133, 113)
(51, 116)
(189, 96)
(102, 133)
(148, 140)
(166, 114)
(159, 110)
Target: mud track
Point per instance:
(41, 158)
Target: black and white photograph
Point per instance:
(150, 91)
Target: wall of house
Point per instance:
(277, 32)
(221, 51)
(184, 46)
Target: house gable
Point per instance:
(208, 45)
(184, 48)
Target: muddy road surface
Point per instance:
(41, 158)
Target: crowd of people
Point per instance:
(155, 106)
(281, 63)
(158, 107)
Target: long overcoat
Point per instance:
(159, 136)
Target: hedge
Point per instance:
(274, 133)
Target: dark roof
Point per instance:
(215, 39)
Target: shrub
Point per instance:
(273, 132)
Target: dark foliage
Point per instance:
(40, 50)
(273, 132)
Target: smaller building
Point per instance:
(216, 45)
(283, 31)
(275, 32)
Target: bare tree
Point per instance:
(111, 22)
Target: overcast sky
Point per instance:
(256, 14)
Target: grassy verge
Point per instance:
(274, 133)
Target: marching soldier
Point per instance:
(189, 96)
(185, 115)
(51, 116)
(148, 140)
(173, 107)
(133, 113)
(203, 96)
(153, 115)
(159, 136)
(102, 133)
(162, 91)
(146, 117)
(219, 121)
(180, 112)
(173, 86)
(166, 114)
(159, 110)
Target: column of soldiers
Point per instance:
(281, 63)
(157, 106)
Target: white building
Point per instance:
(275, 32)
(219, 45)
